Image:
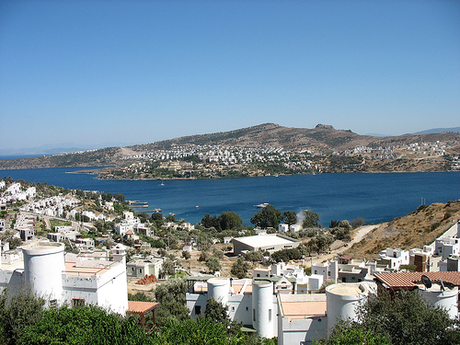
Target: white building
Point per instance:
(271, 243)
(285, 227)
(68, 279)
(293, 318)
(251, 302)
(129, 222)
(294, 272)
(447, 246)
(394, 257)
(329, 270)
(139, 268)
(302, 318)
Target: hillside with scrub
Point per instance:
(418, 228)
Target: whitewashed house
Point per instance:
(68, 278)
(394, 258)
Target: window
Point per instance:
(53, 303)
(247, 308)
(316, 272)
(78, 302)
(253, 314)
(197, 309)
(329, 273)
(269, 315)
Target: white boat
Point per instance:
(262, 205)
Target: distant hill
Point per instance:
(440, 130)
(322, 140)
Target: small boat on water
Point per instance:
(262, 205)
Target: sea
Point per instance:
(376, 197)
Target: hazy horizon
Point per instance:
(72, 147)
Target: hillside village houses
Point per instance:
(14, 192)
(286, 228)
(280, 300)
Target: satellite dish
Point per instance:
(426, 281)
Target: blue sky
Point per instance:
(97, 73)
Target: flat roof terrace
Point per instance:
(302, 306)
(88, 268)
(265, 240)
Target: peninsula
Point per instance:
(263, 150)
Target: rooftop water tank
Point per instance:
(43, 267)
(218, 288)
(445, 298)
(343, 300)
(263, 313)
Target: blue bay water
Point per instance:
(374, 197)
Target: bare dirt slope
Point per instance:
(418, 228)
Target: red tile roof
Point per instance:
(135, 307)
(408, 280)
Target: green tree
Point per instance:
(217, 312)
(229, 220)
(345, 224)
(209, 221)
(321, 241)
(16, 313)
(240, 268)
(170, 218)
(213, 264)
(189, 332)
(139, 296)
(225, 221)
(168, 267)
(286, 255)
(358, 222)
(186, 255)
(340, 233)
(289, 217)
(310, 219)
(8, 236)
(269, 216)
(351, 336)
(171, 296)
(405, 318)
(254, 256)
(85, 325)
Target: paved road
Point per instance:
(451, 233)
(358, 235)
